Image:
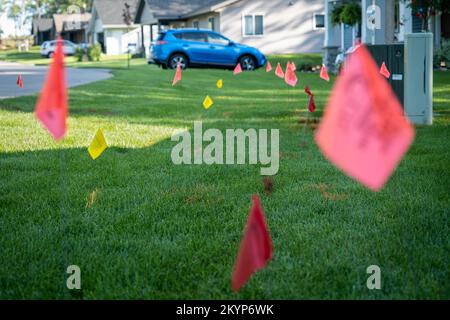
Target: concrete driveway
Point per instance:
(33, 78)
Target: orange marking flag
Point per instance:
(256, 247)
(268, 67)
(52, 107)
(238, 69)
(312, 103)
(177, 77)
(384, 71)
(290, 76)
(363, 131)
(19, 81)
(279, 71)
(324, 73)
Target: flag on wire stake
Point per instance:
(268, 67)
(20, 81)
(219, 84)
(363, 131)
(177, 76)
(256, 247)
(52, 106)
(384, 71)
(279, 71)
(238, 69)
(208, 102)
(98, 145)
(324, 73)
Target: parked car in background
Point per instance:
(193, 47)
(48, 48)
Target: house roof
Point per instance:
(177, 9)
(42, 24)
(66, 22)
(111, 11)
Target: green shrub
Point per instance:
(348, 13)
(94, 52)
(442, 54)
(79, 53)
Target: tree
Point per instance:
(128, 20)
(425, 9)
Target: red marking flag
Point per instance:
(177, 76)
(312, 103)
(363, 131)
(238, 69)
(268, 67)
(52, 108)
(279, 71)
(384, 71)
(324, 73)
(256, 247)
(19, 81)
(290, 76)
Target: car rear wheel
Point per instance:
(248, 63)
(50, 55)
(176, 59)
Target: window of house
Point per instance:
(196, 25)
(253, 24)
(211, 23)
(319, 21)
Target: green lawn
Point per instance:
(141, 227)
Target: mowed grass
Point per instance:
(140, 227)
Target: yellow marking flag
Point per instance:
(208, 102)
(220, 84)
(98, 145)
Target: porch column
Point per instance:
(331, 43)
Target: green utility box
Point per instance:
(411, 68)
(394, 57)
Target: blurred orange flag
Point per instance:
(279, 71)
(177, 77)
(363, 131)
(52, 107)
(19, 81)
(268, 67)
(238, 69)
(324, 73)
(290, 76)
(256, 247)
(384, 71)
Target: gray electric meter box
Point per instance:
(418, 82)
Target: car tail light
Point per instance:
(161, 42)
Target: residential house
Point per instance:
(42, 30)
(274, 27)
(73, 26)
(395, 20)
(108, 28)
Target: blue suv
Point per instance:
(193, 47)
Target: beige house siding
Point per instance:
(288, 25)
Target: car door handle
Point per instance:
(212, 47)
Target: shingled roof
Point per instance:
(65, 22)
(111, 11)
(178, 8)
(42, 24)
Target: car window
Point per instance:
(217, 39)
(194, 36)
(161, 36)
(179, 36)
